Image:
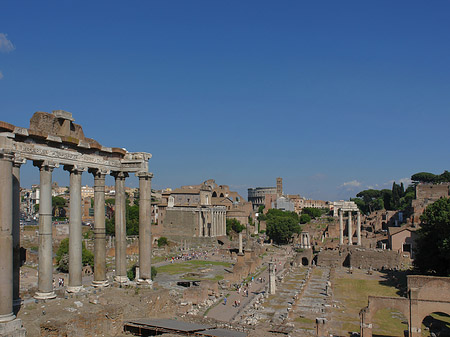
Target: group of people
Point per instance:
(60, 282)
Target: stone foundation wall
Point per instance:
(375, 259)
(106, 321)
(180, 223)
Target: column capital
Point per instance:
(18, 161)
(6, 155)
(119, 174)
(144, 175)
(98, 173)
(45, 165)
(76, 169)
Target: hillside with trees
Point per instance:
(396, 199)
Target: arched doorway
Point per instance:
(305, 261)
(436, 324)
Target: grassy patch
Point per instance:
(189, 266)
(304, 320)
(389, 322)
(353, 294)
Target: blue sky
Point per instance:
(333, 96)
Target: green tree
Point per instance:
(234, 225)
(433, 241)
(369, 200)
(424, 177)
(62, 256)
(305, 218)
(162, 241)
(281, 225)
(313, 212)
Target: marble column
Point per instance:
(358, 227)
(45, 275)
(99, 229)
(272, 286)
(145, 227)
(341, 227)
(213, 223)
(6, 238)
(75, 230)
(120, 228)
(240, 244)
(350, 229)
(16, 229)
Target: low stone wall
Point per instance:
(331, 258)
(374, 259)
(108, 320)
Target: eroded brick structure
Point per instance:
(426, 295)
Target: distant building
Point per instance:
(403, 239)
(257, 196)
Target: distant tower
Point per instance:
(279, 186)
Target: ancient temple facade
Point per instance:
(54, 140)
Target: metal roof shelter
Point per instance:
(143, 326)
(151, 327)
(221, 333)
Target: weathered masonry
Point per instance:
(54, 140)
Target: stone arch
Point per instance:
(305, 261)
(214, 195)
(222, 195)
(426, 309)
(436, 325)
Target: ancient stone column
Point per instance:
(99, 229)
(240, 244)
(213, 223)
(45, 275)
(350, 229)
(272, 286)
(358, 227)
(6, 239)
(16, 229)
(341, 227)
(120, 228)
(75, 231)
(145, 227)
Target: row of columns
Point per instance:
(10, 230)
(217, 225)
(350, 229)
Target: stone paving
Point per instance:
(314, 302)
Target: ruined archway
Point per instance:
(437, 323)
(427, 295)
(305, 261)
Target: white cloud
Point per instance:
(406, 181)
(1, 75)
(5, 45)
(351, 184)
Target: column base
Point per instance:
(45, 296)
(121, 279)
(7, 318)
(74, 289)
(144, 282)
(12, 328)
(100, 284)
